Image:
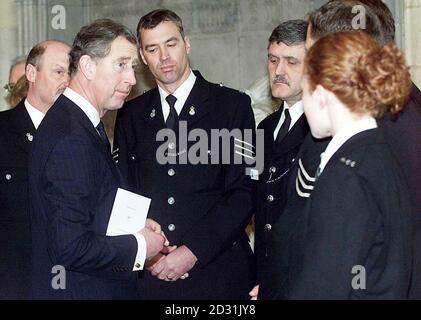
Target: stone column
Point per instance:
(413, 38)
(8, 40)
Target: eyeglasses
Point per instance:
(9, 87)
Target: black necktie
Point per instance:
(283, 131)
(103, 135)
(173, 116)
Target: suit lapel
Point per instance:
(22, 128)
(294, 137)
(196, 106)
(152, 114)
(93, 134)
(269, 130)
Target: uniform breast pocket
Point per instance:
(142, 160)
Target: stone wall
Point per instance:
(229, 37)
(413, 38)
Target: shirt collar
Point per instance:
(343, 136)
(35, 115)
(182, 93)
(296, 111)
(90, 111)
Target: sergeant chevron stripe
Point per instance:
(304, 183)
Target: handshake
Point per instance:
(167, 263)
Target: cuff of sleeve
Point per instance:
(141, 252)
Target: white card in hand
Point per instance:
(129, 213)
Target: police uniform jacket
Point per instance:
(402, 136)
(271, 191)
(16, 135)
(203, 206)
(356, 222)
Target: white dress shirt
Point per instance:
(182, 93)
(343, 136)
(296, 111)
(93, 115)
(35, 115)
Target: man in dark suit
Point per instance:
(73, 180)
(47, 73)
(204, 207)
(284, 130)
(401, 133)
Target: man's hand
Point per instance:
(150, 263)
(254, 293)
(175, 265)
(156, 227)
(154, 237)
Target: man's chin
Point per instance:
(281, 94)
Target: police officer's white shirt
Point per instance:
(35, 115)
(182, 93)
(94, 118)
(343, 136)
(296, 111)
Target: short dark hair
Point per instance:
(35, 55)
(95, 41)
(386, 18)
(291, 32)
(155, 17)
(337, 16)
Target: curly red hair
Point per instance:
(364, 76)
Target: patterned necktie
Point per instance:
(283, 131)
(173, 116)
(103, 135)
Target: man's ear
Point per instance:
(143, 57)
(187, 42)
(31, 72)
(87, 66)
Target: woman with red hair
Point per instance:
(353, 241)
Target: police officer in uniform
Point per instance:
(204, 207)
(47, 72)
(284, 130)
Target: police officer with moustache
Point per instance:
(205, 207)
(284, 131)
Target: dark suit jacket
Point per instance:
(402, 135)
(206, 206)
(16, 133)
(72, 184)
(271, 189)
(356, 216)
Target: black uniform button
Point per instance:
(8, 177)
(171, 227)
(171, 201)
(171, 172)
(271, 198)
(272, 169)
(268, 227)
